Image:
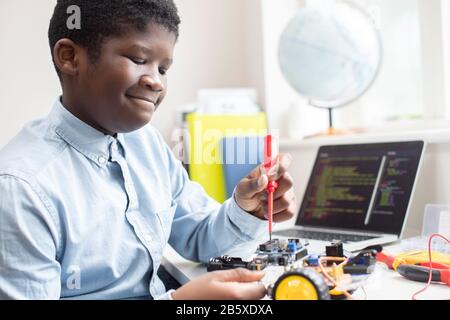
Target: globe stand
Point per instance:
(332, 131)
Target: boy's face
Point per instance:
(120, 92)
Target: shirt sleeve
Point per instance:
(203, 228)
(28, 244)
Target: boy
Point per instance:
(90, 195)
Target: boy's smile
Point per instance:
(120, 90)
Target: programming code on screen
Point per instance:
(364, 188)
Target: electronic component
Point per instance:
(363, 263)
(335, 249)
(316, 277)
(338, 270)
(274, 252)
(312, 260)
(227, 262)
(283, 253)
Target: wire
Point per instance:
(329, 278)
(430, 275)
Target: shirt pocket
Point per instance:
(165, 217)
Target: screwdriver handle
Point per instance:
(268, 152)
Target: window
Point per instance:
(397, 92)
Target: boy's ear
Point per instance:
(66, 55)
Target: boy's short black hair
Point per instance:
(101, 19)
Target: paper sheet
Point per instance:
(444, 223)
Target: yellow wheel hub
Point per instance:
(296, 287)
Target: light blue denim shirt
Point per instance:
(86, 215)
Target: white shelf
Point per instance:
(441, 136)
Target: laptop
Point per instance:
(358, 194)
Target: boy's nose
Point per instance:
(152, 82)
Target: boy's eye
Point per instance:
(137, 60)
(162, 71)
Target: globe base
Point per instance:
(334, 132)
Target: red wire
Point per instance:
(430, 275)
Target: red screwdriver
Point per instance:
(272, 185)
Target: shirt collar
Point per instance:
(93, 144)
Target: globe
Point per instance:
(330, 54)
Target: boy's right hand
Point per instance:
(235, 284)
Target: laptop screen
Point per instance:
(361, 187)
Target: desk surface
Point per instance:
(384, 284)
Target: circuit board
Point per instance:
(271, 253)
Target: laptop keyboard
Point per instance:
(323, 236)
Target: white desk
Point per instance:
(384, 284)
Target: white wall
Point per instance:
(445, 5)
(433, 46)
(28, 82)
(280, 97)
(219, 46)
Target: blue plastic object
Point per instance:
(240, 155)
(313, 260)
(292, 246)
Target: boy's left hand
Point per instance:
(251, 194)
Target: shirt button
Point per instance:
(101, 160)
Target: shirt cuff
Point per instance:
(166, 296)
(252, 227)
